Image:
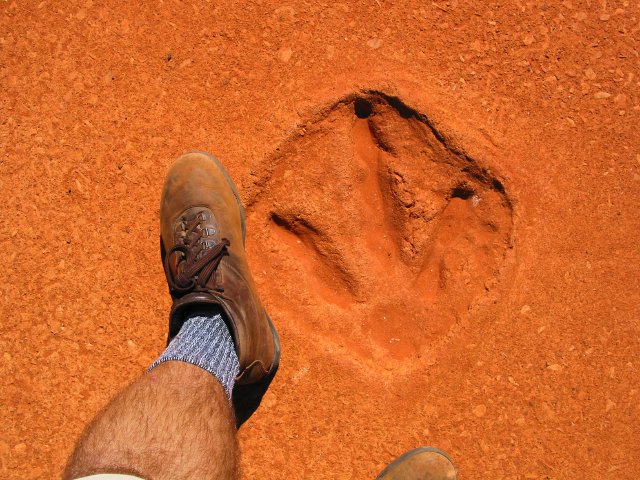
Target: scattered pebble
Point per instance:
(525, 309)
(610, 405)
(430, 360)
(477, 46)
(528, 39)
(330, 51)
(270, 401)
(480, 410)
(285, 54)
(590, 74)
(185, 63)
(554, 367)
(21, 448)
(546, 412)
(374, 43)
(601, 95)
(620, 100)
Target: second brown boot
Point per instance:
(423, 463)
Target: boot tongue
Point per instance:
(197, 272)
(200, 253)
(197, 232)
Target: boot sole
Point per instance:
(247, 398)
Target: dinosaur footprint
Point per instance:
(379, 237)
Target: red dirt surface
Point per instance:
(442, 204)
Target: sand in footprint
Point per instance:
(418, 239)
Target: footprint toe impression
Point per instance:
(378, 237)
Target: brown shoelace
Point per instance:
(199, 261)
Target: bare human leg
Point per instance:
(174, 422)
(177, 421)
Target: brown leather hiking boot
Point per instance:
(424, 463)
(202, 246)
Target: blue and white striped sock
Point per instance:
(205, 341)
